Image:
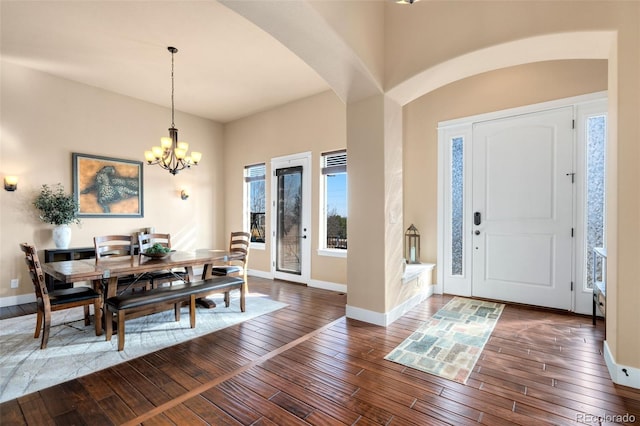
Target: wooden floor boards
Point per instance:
(308, 364)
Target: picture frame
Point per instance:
(107, 187)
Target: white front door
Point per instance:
(291, 218)
(522, 209)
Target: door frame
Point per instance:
(463, 126)
(300, 159)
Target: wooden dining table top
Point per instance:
(70, 271)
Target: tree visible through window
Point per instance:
(255, 201)
(334, 220)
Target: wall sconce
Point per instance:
(184, 194)
(10, 183)
(412, 244)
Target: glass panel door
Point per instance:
(289, 223)
(291, 218)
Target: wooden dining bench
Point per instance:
(159, 299)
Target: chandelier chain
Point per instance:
(173, 124)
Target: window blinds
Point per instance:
(334, 162)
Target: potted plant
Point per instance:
(60, 209)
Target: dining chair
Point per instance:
(56, 300)
(146, 241)
(238, 245)
(110, 246)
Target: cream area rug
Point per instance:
(74, 350)
(450, 343)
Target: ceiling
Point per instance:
(226, 67)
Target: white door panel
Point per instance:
(524, 259)
(519, 186)
(522, 190)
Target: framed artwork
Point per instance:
(107, 187)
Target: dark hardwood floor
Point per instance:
(307, 364)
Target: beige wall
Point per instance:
(359, 24)
(315, 124)
(45, 119)
(428, 34)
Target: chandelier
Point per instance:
(172, 155)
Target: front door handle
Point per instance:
(477, 218)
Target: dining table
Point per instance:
(104, 274)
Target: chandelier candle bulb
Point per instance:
(166, 143)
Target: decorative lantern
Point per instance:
(412, 245)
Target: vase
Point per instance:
(62, 236)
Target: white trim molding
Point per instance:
(332, 253)
(386, 318)
(621, 374)
(326, 285)
(260, 274)
(17, 300)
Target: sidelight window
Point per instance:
(457, 205)
(596, 132)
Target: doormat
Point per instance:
(450, 343)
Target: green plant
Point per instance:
(157, 249)
(56, 207)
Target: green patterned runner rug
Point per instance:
(450, 343)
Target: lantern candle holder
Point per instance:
(412, 245)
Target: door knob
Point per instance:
(477, 232)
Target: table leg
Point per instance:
(97, 287)
(107, 288)
(206, 273)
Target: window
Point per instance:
(596, 132)
(457, 205)
(254, 196)
(333, 217)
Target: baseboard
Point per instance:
(326, 285)
(17, 300)
(621, 374)
(260, 274)
(384, 319)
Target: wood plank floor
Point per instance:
(307, 364)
